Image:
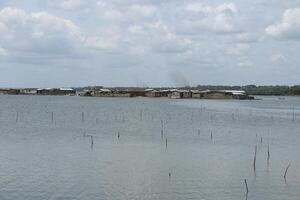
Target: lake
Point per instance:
(85, 148)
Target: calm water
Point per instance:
(46, 150)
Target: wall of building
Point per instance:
(10, 91)
(197, 95)
(217, 95)
(56, 92)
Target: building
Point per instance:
(197, 94)
(179, 94)
(217, 95)
(111, 93)
(156, 93)
(121, 93)
(9, 91)
(136, 93)
(101, 93)
(238, 94)
(94, 88)
(57, 91)
(28, 91)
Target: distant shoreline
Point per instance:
(252, 90)
(266, 90)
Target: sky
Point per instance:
(149, 43)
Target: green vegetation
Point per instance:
(257, 90)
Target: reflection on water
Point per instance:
(142, 148)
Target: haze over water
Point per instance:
(46, 150)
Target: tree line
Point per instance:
(257, 90)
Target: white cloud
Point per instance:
(134, 12)
(288, 27)
(203, 8)
(136, 29)
(277, 58)
(203, 38)
(244, 63)
(107, 38)
(113, 14)
(137, 50)
(101, 3)
(238, 49)
(143, 10)
(2, 52)
(39, 33)
(158, 37)
(247, 38)
(71, 4)
(211, 18)
(99, 43)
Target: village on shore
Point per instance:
(100, 91)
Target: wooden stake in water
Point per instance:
(285, 172)
(268, 154)
(17, 117)
(118, 135)
(293, 113)
(211, 135)
(52, 117)
(162, 128)
(246, 184)
(254, 160)
(92, 141)
(141, 115)
(166, 143)
(82, 116)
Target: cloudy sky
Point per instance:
(51, 43)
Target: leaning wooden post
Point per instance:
(246, 184)
(92, 142)
(268, 154)
(285, 172)
(254, 160)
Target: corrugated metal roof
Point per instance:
(66, 89)
(234, 91)
(105, 90)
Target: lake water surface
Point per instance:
(67, 148)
